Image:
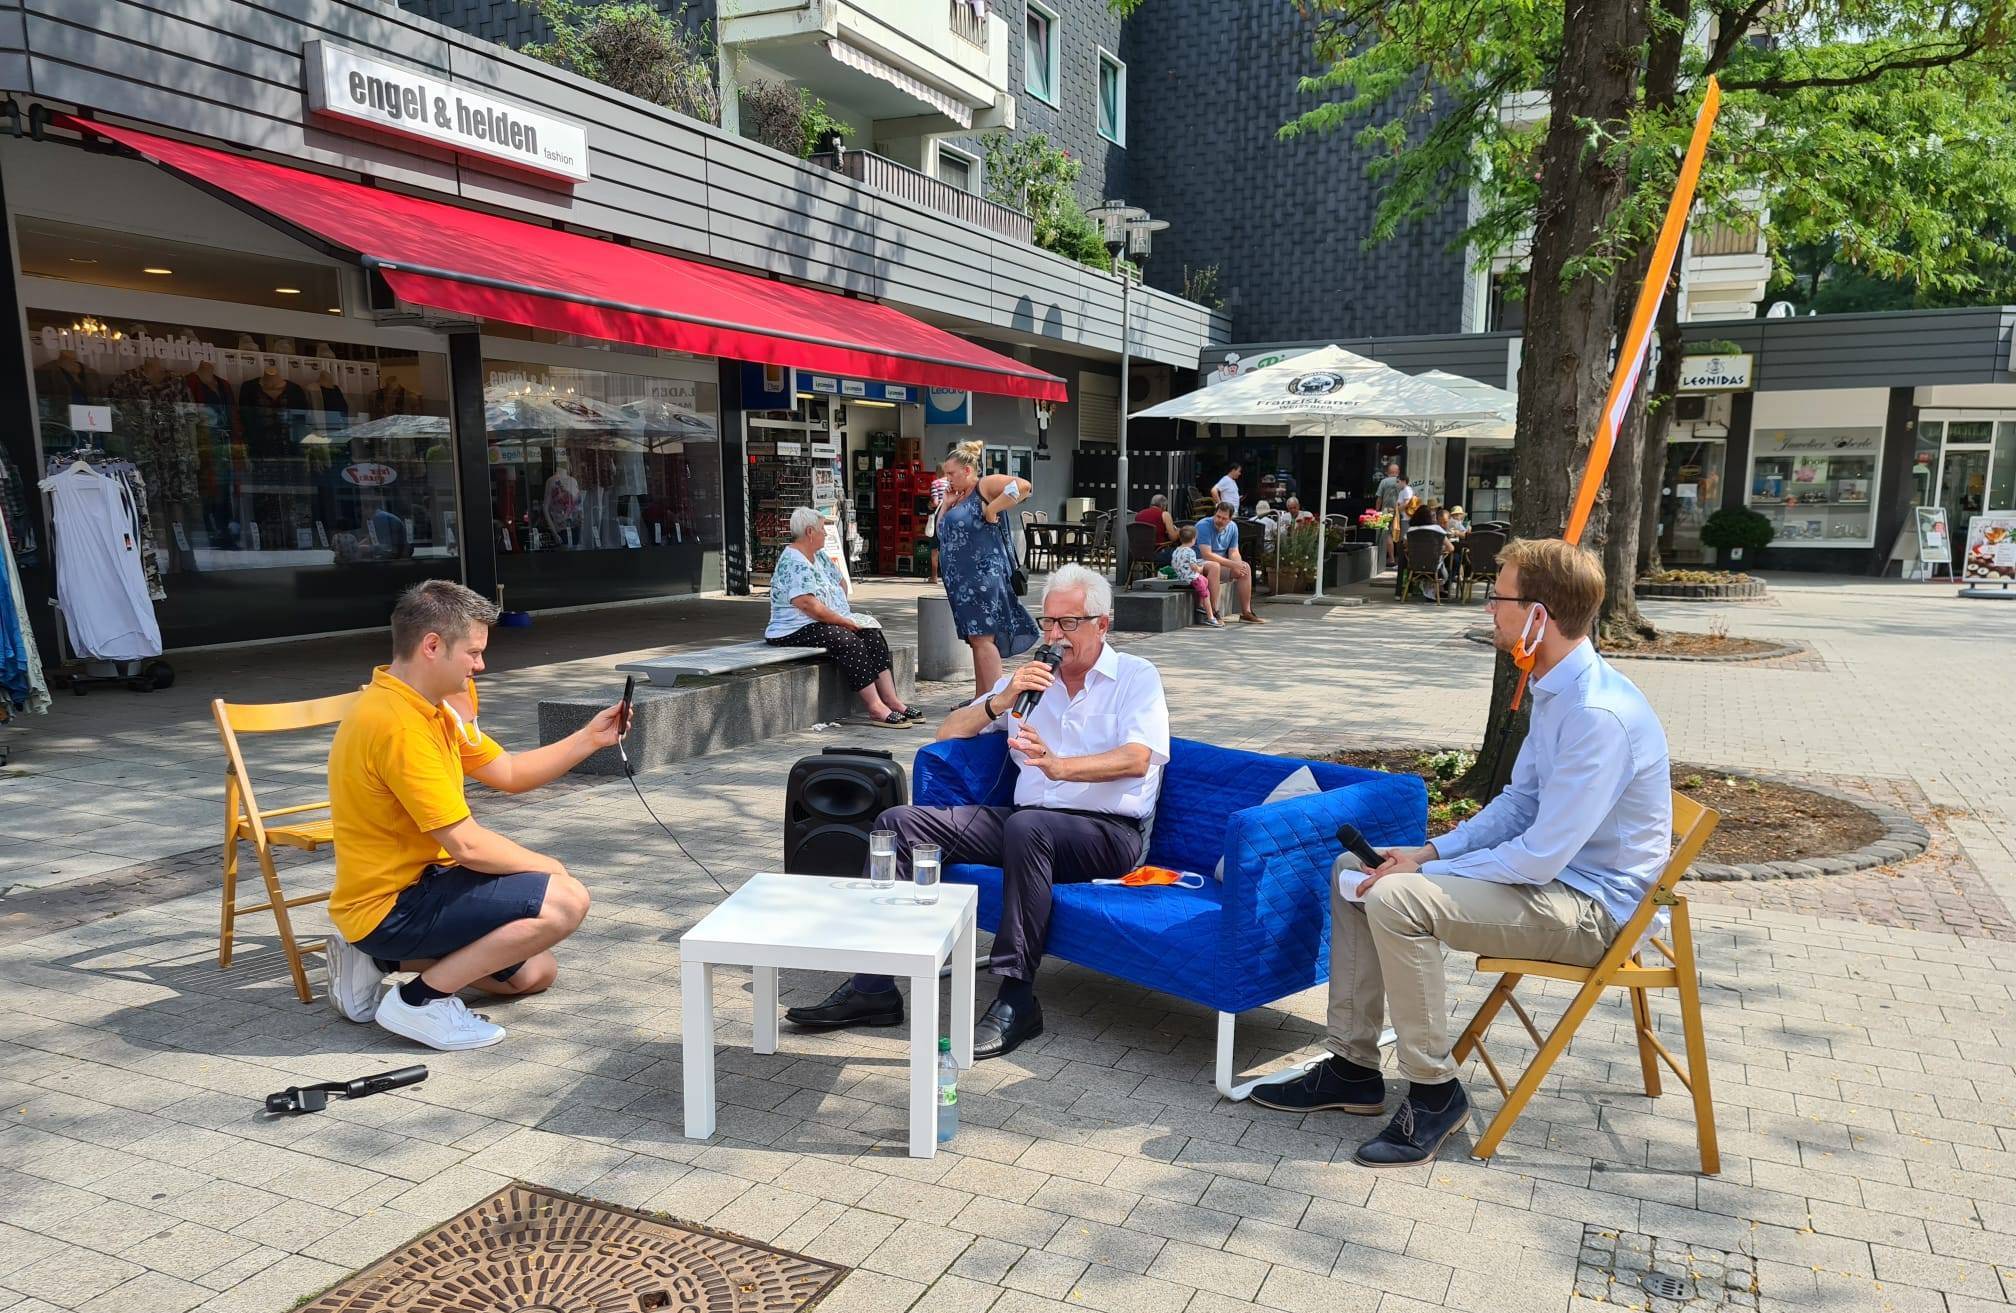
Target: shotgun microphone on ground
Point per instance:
(1052, 657)
(1354, 843)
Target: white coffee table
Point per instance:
(819, 923)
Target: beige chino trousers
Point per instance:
(1386, 955)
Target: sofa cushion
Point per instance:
(1203, 785)
(1298, 783)
(1160, 933)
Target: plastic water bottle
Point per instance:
(948, 1092)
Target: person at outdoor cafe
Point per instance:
(1550, 869)
(1089, 759)
(1218, 544)
(1425, 516)
(1157, 517)
(420, 885)
(1456, 522)
(809, 608)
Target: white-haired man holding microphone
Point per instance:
(1089, 757)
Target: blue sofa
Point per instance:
(1261, 935)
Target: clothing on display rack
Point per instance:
(14, 509)
(100, 587)
(128, 474)
(21, 683)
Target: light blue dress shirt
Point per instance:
(1590, 803)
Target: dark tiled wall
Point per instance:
(507, 22)
(1212, 81)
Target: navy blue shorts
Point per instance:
(449, 908)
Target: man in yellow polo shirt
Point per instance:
(420, 886)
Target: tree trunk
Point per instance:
(1614, 522)
(1658, 424)
(1563, 372)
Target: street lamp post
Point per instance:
(1127, 230)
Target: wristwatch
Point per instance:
(988, 703)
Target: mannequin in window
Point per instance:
(160, 426)
(217, 414)
(65, 382)
(563, 505)
(272, 409)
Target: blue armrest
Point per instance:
(1275, 938)
(957, 772)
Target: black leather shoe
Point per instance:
(1333, 1084)
(1417, 1129)
(1005, 1027)
(847, 1007)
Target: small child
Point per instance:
(1184, 562)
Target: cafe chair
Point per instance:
(1421, 562)
(244, 822)
(1480, 558)
(1622, 967)
(1140, 551)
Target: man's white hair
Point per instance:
(1069, 578)
(804, 520)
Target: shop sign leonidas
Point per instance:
(354, 90)
(1729, 373)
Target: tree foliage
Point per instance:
(635, 49)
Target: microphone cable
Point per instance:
(630, 772)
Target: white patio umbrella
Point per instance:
(1318, 394)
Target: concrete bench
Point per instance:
(727, 659)
(728, 696)
(1152, 611)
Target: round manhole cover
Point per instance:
(1661, 1285)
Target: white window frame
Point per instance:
(971, 161)
(1054, 25)
(1119, 66)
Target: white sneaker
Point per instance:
(446, 1023)
(353, 978)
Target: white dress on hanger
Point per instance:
(99, 583)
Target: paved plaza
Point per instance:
(1864, 1051)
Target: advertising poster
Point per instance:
(1991, 550)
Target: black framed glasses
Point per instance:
(1063, 624)
(1491, 594)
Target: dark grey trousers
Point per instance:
(1035, 848)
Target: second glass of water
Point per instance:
(924, 872)
(882, 859)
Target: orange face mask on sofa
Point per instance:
(1147, 875)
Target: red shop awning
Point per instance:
(472, 263)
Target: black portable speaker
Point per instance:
(831, 804)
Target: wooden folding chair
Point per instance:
(1621, 968)
(244, 822)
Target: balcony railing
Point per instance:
(969, 22)
(1722, 239)
(905, 183)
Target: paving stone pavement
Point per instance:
(1864, 1072)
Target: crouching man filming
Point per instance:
(1089, 758)
(1549, 870)
(420, 886)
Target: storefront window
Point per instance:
(1817, 486)
(624, 466)
(1487, 490)
(1690, 493)
(284, 486)
(2002, 476)
(102, 257)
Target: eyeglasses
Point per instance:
(1063, 624)
(1491, 594)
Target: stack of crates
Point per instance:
(902, 504)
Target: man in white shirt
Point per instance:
(1550, 869)
(1090, 756)
(1225, 492)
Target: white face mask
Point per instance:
(1535, 629)
(470, 731)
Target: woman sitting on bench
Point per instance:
(808, 608)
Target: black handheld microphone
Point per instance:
(389, 1080)
(1053, 657)
(1354, 843)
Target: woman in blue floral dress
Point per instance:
(974, 556)
(809, 608)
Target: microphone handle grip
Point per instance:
(385, 1080)
(1355, 844)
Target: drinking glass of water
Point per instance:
(882, 859)
(924, 872)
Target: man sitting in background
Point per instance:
(420, 886)
(1218, 544)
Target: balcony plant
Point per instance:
(635, 49)
(1035, 177)
(788, 118)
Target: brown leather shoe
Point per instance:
(1250, 618)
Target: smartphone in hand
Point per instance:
(629, 696)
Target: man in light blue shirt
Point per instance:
(1549, 870)
(1218, 545)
